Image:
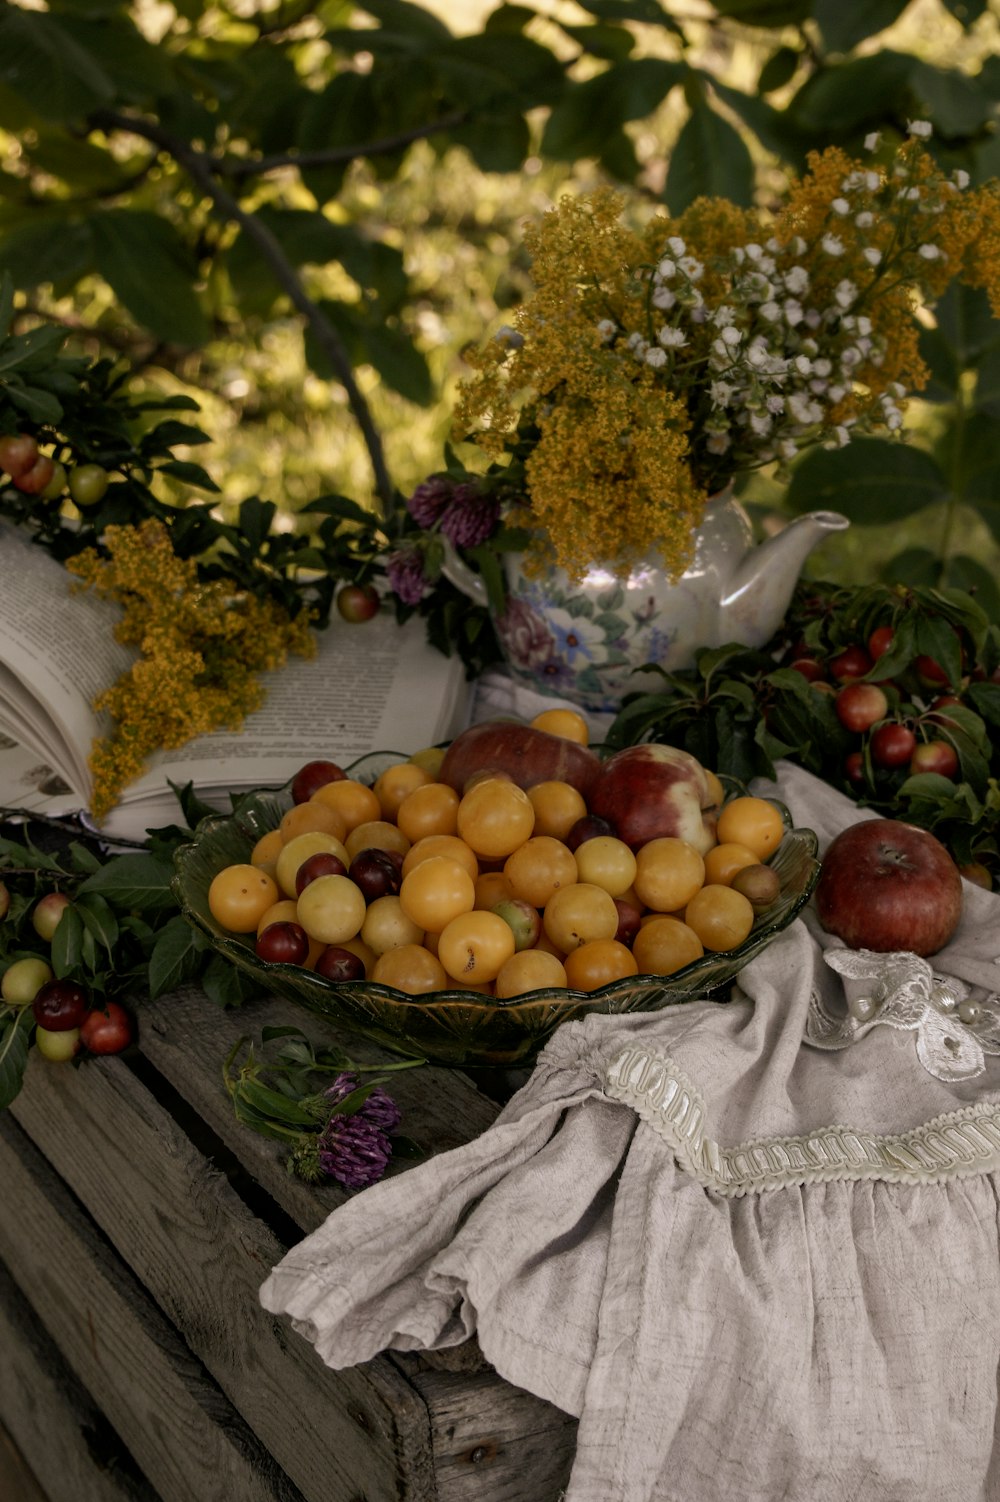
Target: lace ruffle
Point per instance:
(959, 1144)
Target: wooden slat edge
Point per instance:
(185, 1436)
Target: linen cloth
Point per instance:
(753, 1269)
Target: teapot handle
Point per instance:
(458, 572)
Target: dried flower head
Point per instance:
(201, 649)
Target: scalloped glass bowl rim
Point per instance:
(723, 965)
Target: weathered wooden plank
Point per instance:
(442, 1108)
(187, 1038)
(494, 1442)
(202, 1254)
(181, 1430)
(73, 1452)
(16, 1481)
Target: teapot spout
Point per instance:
(761, 590)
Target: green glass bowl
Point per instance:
(460, 1028)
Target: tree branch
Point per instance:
(202, 169)
(337, 156)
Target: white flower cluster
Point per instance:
(780, 360)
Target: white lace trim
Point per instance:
(959, 1144)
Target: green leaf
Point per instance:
(15, 1038)
(140, 70)
(610, 43)
(969, 574)
(970, 453)
(189, 474)
(224, 984)
(480, 69)
(777, 130)
(965, 322)
(589, 111)
(42, 62)
(148, 267)
(67, 943)
(24, 350)
(871, 480)
(845, 96)
(778, 70)
(954, 102)
(710, 157)
(176, 956)
(137, 881)
(403, 17)
(765, 12)
(844, 26)
(98, 920)
(496, 143)
(646, 12)
(256, 517)
(913, 566)
(271, 1103)
(400, 364)
(987, 397)
(935, 638)
(985, 699)
(929, 785)
(34, 403)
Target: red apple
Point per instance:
(526, 754)
(652, 791)
(888, 886)
(935, 756)
(860, 705)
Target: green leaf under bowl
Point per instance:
(460, 1028)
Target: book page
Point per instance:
(60, 648)
(373, 686)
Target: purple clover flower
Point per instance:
(429, 500)
(379, 1107)
(405, 573)
(470, 518)
(354, 1151)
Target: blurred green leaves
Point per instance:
(244, 124)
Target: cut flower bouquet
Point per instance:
(651, 365)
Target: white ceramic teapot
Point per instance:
(586, 641)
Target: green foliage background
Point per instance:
(299, 214)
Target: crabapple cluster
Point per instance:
(66, 1020)
(497, 889)
(35, 473)
(897, 730)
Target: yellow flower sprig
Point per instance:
(651, 365)
(201, 649)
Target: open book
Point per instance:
(372, 686)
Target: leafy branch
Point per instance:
(204, 171)
(741, 711)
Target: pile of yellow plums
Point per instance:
(497, 888)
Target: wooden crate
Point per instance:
(140, 1220)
